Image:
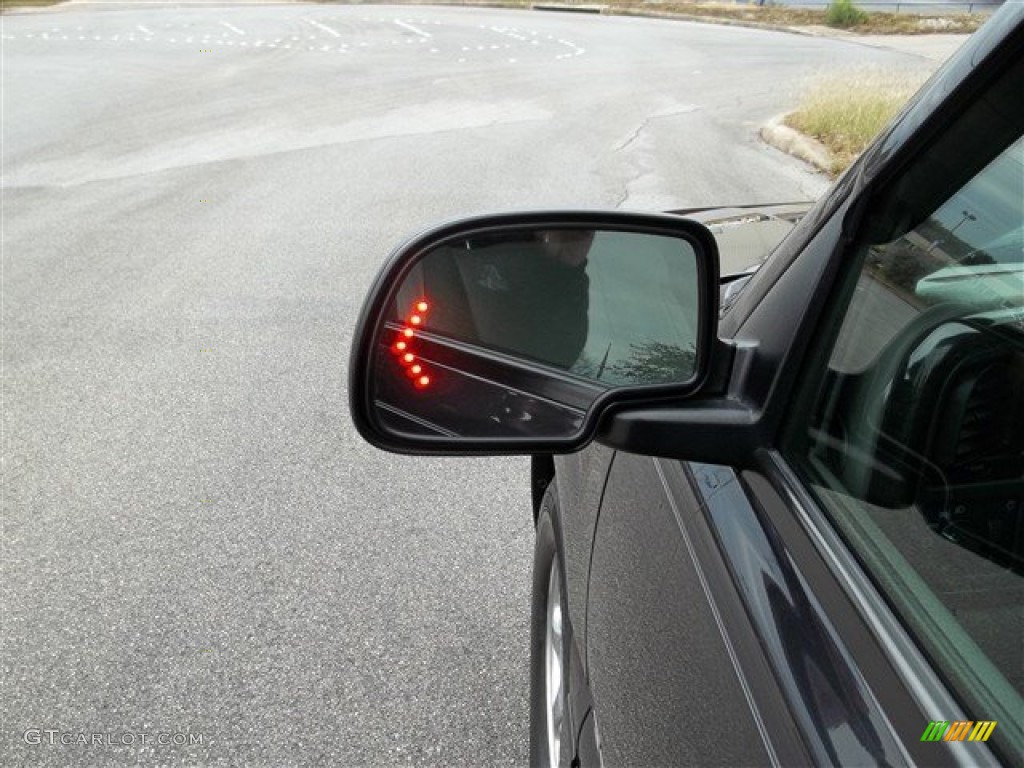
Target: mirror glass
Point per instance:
(518, 331)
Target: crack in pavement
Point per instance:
(681, 109)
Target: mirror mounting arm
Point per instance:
(714, 431)
(717, 427)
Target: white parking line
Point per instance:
(143, 30)
(323, 27)
(411, 28)
(232, 27)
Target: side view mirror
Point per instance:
(514, 333)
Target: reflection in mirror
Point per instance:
(518, 331)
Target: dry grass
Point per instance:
(11, 4)
(845, 112)
(779, 15)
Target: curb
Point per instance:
(724, 22)
(776, 134)
(569, 8)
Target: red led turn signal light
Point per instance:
(403, 345)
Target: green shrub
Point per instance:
(843, 14)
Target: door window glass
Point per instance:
(916, 441)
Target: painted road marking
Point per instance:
(411, 28)
(232, 27)
(142, 29)
(323, 27)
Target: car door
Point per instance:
(856, 595)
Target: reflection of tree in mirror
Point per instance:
(586, 367)
(655, 363)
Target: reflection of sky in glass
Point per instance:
(643, 292)
(989, 211)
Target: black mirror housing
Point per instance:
(516, 333)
